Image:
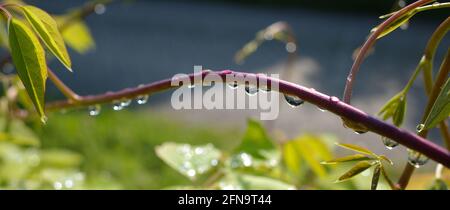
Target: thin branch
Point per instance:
(370, 42)
(332, 104)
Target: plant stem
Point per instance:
(435, 90)
(65, 90)
(329, 103)
(370, 42)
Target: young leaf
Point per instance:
(441, 107)
(47, 29)
(357, 169)
(375, 177)
(399, 113)
(78, 36)
(256, 142)
(29, 58)
(350, 158)
(357, 149)
(382, 157)
(394, 25)
(190, 161)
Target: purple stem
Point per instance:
(330, 103)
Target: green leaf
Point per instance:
(350, 158)
(18, 133)
(29, 58)
(375, 177)
(292, 159)
(190, 161)
(256, 142)
(60, 158)
(383, 157)
(399, 113)
(46, 27)
(357, 149)
(78, 36)
(441, 107)
(357, 169)
(394, 25)
(241, 181)
(395, 108)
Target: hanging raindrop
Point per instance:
(420, 127)
(142, 99)
(416, 159)
(293, 101)
(117, 106)
(125, 102)
(389, 143)
(251, 90)
(94, 110)
(233, 85)
(100, 9)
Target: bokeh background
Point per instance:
(143, 41)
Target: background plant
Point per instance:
(258, 162)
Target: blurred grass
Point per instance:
(118, 147)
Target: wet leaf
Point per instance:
(29, 59)
(375, 177)
(47, 29)
(357, 148)
(441, 107)
(382, 157)
(78, 36)
(350, 158)
(394, 25)
(399, 113)
(292, 159)
(357, 169)
(190, 161)
(241, 181)
(256, 142)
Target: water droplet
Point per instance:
(125, 102)
(293, 101)
(100, 9)
(321, 109)
(401, 3)
(420, 127)
(416, 159)
(389, 143)
(246, 159)
(94, 110)
(334, 99)
(233, 85)
(191, 172)
(359, 132)
(265, 89)
(68, 183)
(117, 106)
(142, 99)
(214, 162)
(57, 185)
(291, 47)
(191, 86)
(251, 90)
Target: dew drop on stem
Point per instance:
(117, 106)
(251, 90)
(142, 99)
(233, 85)
(293, 101)
(125, 102)
(291, 47)
(416, 159)
(389, 143)
(420, 127)
(94, 110)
